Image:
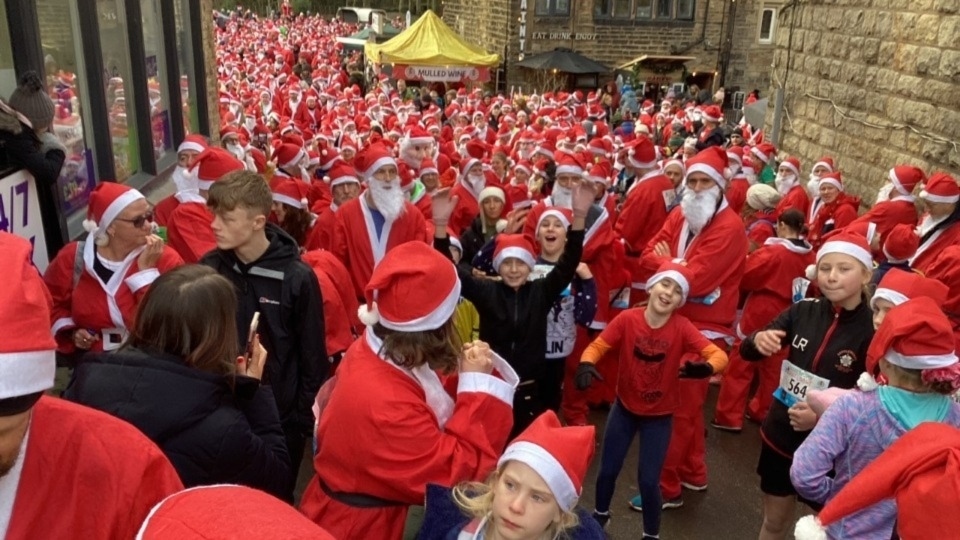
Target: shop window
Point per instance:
(553, 8)
(118, 88)
(157, 85)
(644, 10)
(8, 77)
(768, 25)
(63, 62)
(187, 83)
(665, 9)
(685, 10)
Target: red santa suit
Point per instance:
(773, 279)
(189, 231)
(468, 205)
(833, 217)
(339, 302)
(308, 119)
(116, 475)
(736, 193)
(643, 213)
(932, 243)
(105, 309)
(888, 214)
(164, 209)
(356, 244)
(795, 198)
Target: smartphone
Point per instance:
(252, 334)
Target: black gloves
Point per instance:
(695, 370)
(586, 373)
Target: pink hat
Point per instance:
(413, 289)
(793, 164)
(371, 159)
(27, 363)
(560, 455)
(107, 200)
(905, 178)
(565, 215)
(850, 244)
(832, 179)
(914, 335)
(289, 155)
(513, 246)
(678, 273)
(900, 243)
(193, 142)
(292, 192)
(941, 188)
(712, 162)
(898, 286)
(213, 163)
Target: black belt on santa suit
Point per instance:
(357, 500)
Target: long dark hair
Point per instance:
(296, 223)
(440, 348)
(189, 312)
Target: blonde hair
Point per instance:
(476, 499)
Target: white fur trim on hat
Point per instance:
(428, 170)
(930, 197)
(117, 206)
(515, 252)
(830, 181)
(809, 528)
(846, 248)
(555, 213)
(763, 157)
(823, 164)
(892, 175)
(492, 191)
(866, 382)
(921, 361)
(641, 164)
(716, 175)
(540, 460)
(290, 201)
(26, 372)
(345, 179)
(675, 276)
(296, 159)
(455, 242)
(894, 297)
(190, 145)
(384, 161)
(568, 169)
(433, 320)
(792, 167)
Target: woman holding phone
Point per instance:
(179, 379)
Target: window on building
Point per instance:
(8, 77)
(118, 88)
(768, 25)
(191, 123)
(157, 87)
(553, 8)
(645, 10)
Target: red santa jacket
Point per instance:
(833, 217)
(768, 280)
(644, 210)
(932, 243)
(114, 473)
(715, 258)
(355, 240)
(736, 193)
(395, 445)
(164, 209)
(888, 214)
(307, 118)
(760, 227)
(339, 302)
(105, 309)
(795, 198)
(189, 231)
(468, 207)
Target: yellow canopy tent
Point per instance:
(429, 42)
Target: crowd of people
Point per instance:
(428, 292)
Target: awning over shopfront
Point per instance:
(429, 42)
(662, 61)
(564, 61)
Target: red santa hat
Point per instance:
(565, 215)
(914, 335)
(292, 192)
(793, 164)
(27, 352)
(848, 243)
(600, 173)
(898, 286)
(832, 179)
(417, 135)
(712, 162)
(675, 162)
(428, 166)
(678, 273)
(641, 153)
(107, 200)
(569, 163)
(921, 471)
(193, 143)
(213, 163)
(371, 159)
(764, 152)
(735, 155)
(826, 162)
(289, 155)
(941, 188)
(513, 246)
(524, 165)
(197, 514)
(413, 289)
(712, 113)
(560, 455)
(900, 243)
(905, 178)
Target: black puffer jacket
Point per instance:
(209, 434)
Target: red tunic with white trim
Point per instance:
(797, 198)
(888, 214)
(105, 309)
(355, 240)
(189, 232)
(86, 474)
(769, 278)
(932, 244)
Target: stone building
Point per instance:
(872, 86)
(704, 42)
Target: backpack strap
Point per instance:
(78, 263)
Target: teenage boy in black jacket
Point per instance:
(264, 265)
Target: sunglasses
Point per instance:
(139, 221)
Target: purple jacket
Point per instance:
(852, 432)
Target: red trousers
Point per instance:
(735, 389)
(687, 454)
(576, 403)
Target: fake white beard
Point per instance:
(237, 151)
(751, 177)
(476, 182)
(813, 186)
(389, 202)
(304, 175)
(562, 196)
(927, 223)
(698, 208)
(785, 182)
(184, 180)
(883, 195)
(250, 124)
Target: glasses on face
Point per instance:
(139, 221)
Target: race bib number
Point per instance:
(795, 383)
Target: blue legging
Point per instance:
(622, 425)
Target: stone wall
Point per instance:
(481, 22)
(893, 76)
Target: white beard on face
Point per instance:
(785, 182)
(184, 180)
(562, 196)
(751, 177)
(813, 186)
(476, 182)
(389, 202)
(698, 208)
(883, 195)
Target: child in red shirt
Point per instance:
(651, 341)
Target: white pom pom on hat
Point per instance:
(368, 315)
(808, 528)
